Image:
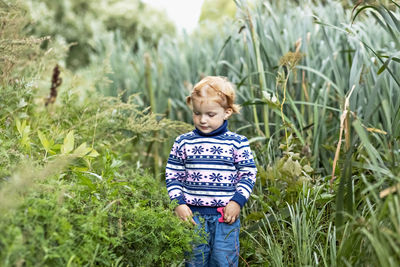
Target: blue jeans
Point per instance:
(222, 248)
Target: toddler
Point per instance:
(212, 167)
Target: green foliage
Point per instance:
(373, 235)
(217, 11)
(16, 102)
(300, 234)
(78, 23)
(19, 53)
(84, 218)
(93, 211)
(288, 175)
(75, 202)
(108, 122)
(84, 198)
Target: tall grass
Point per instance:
(334, 59)
(301, 236)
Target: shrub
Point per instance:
(84, 218)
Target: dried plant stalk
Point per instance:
(344, 126)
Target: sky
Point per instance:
(185, 13)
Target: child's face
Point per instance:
(208, 115)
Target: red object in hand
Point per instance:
(221, 210)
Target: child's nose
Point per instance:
(203, 119)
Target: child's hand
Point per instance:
(184, 213)
(231, 212)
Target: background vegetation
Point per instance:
(81, 168)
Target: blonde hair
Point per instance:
(218, 87)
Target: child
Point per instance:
(212, 167)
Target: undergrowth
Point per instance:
(81, 218)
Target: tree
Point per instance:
(217, 10)
(77, 22)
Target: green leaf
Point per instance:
(79, 169)
(86, 181)
(360, 10)
(19, 126)
(93, 154)
(82, 150)
(384, 66)
(325, 196)
(371, 150)
(307, 168)
(56, 147)
(68, 145)
(44, 141)
(292, 168)
(26, 130)
(255, 216)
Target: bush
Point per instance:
(84, 218)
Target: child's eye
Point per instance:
(196, 113)
(211, 114)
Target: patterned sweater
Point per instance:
(206, 171)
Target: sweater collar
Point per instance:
(221, 130)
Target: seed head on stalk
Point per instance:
(288, 62)
(55, 83)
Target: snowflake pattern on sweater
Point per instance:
(210, 171)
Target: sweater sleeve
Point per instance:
(246, 170)
(175, 173)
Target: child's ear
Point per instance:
(228, 113)
(189, 100)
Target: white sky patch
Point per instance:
(184, 13)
